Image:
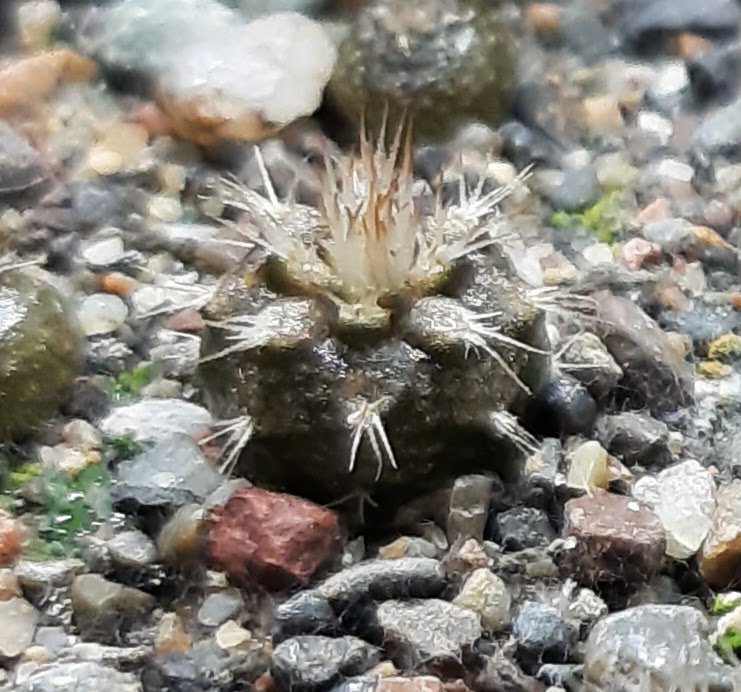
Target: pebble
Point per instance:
(311, 663)
(411, 577)
(455, 62)
(614, 539)
(714, 72)
(231, 637)
(407, 546)
(486, 594)
(79, 433)
(164, 208)
(132, 549)
(78, 676)
(41, 349)
(420, 630)
(179, 541)
(308, 612)
(523, 527)
(102, 313)
(9, 586)
(720, 131)
(18, 620)
(584, 605)
(683, 498)
(266, 77)
(104, 252)
(636, 438)
(662, 127)
(170, 635)
(419, 683)
(621, 650)
(274, 539)
(219, 607)
(659, 16)
(172, 473)
(589, 467)
(542, 636)
(587, 359)
(563, 406)
(652, 368)
(36, 21)
(157, 419)
(720, 556)
(469, 506)
(102, 608)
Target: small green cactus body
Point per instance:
(445, 61)
(374, 350)
(41, 349)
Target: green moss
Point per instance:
(22, 473)
(729, 642)
(602, 218)
(131, 382)
(116, 449)
(72, 506)
(725, 602)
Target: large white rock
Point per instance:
(683, 498)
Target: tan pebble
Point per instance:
(472, 555)
(163, 208)
(543, 17)
(713, 370)
(37, 654)
(602, 113)
(710, 237)
(393, 550)
(36, 20)
(170, 636)
(735, 300)
(637, 252)
(688, 45)
(385, 669)
(425, 683)
(12, 537)
(231, 636)
(200, 120)
(673, 298)
(23, 82)
(151, 117)
(104, 161)
(659, 209)
(116, 283)
(188, 320)
(9, 587)
(265, 683)
(126, 138)
(172, 177)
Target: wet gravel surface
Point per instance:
(170, 526)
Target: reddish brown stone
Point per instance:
(424, 683)
(720, 555)
(272, 539)
(618, 539)
(188, 320)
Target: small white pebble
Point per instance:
(163, 208)
(104, 161)
(80, 433)
(599, 253)
(230, 636)
(102, 313)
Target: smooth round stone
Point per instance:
(104, 252)
(599, 253)
(102, 313)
